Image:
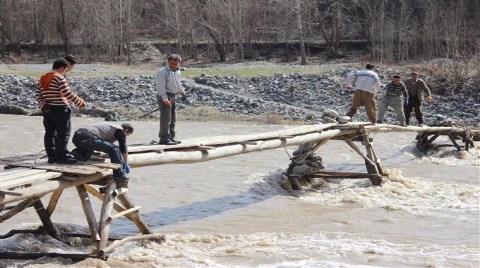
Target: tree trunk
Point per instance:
(298, 11)
(62, 27)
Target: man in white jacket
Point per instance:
(365, 83)
(168, 85)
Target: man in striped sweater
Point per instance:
(53, 95)
(365, 83)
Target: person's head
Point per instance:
(369, 66)
(71, 62)
(174, 61)
(396, 79)
(127, 128)
(60, 65)
(414, 76)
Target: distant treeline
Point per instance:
(395, 30)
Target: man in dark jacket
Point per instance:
(100, 137)
(416, 87)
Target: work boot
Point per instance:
(122, 187)
(79, 155)
(67, 161)
(168, 142)
(52, 160)
(177, 141)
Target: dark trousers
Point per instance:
(413, 104)
(168, 118)
(57, 131)
(87, 145)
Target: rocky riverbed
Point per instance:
(290, 96)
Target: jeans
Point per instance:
(57, 131)
(88, 145)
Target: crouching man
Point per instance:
(100, 137)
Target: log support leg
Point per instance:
(107, 206)
(89, 214)
(45, 218)
(373, 166)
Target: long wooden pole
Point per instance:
(146, 159)
(107, 206)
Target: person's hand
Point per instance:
(45, 108)
(82, 103)
(167, 102)
(127, 168)
(429, 98)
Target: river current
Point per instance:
(232, 212)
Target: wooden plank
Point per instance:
(29, 180)
(49, 186)
(71, 169)
(20, 174)
(5, 192)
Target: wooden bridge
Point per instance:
(28, 178)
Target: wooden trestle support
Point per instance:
(306, 165)
(99, 231)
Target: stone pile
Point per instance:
(313, 98)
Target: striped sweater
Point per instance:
(365, 80)
(53, 89)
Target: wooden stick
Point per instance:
(88, 210)
(36, 255)
(356, 149)
(135, 217)
(54, 201)
(11, 233)
(157, 237)
(123, 213)
(17, 209)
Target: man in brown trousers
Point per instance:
(415, 87)
(366, 83)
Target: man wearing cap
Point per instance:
(393, 98)
(100, 137)
(365, 83)
(416, 87)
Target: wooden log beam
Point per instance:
(52, 204)
(229, 150)
(17, 209)
(37, 255)
(89, 214)
(160, 238)
(45, 218)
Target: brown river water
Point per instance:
(232, 212)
